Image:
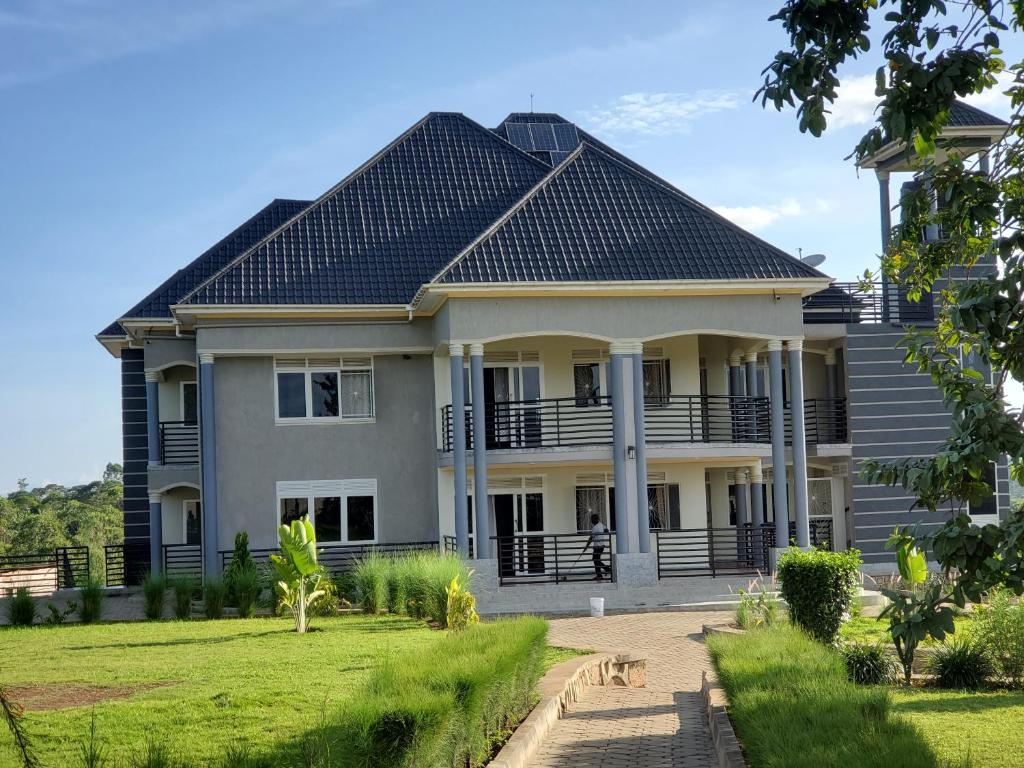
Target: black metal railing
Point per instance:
(125, 564)
(44, 572)
(825, 420)
(713, 551)
(707, 419)
(114, 565)
(179, 442)
(183, 561)
(554, 558)
(339, 558)
(819, 530)
(449, 546)
(569, 421)
(867, 303)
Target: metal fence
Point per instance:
(179, 442)
(713, 551)
(183, 561)
(44, 572)
(554, 558)
(825, 420)
(867, 303)
(707, 419)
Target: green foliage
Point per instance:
(756, 610)
(915, 615)
(241, 560)
(183, 587)
(371, 577)
(214, 596)
(57, 616)
(247, 585)
(91, 752)
(999, 627)
(13, 715)
(818, 586)
(962, 664)
(780, 677)
(868, 663)
(299, 576)
(91, 595)
(21, 610)
(422, 579)
(911, 562)
(930, 60)
(154, 589)
(448, 705)
(460, 611)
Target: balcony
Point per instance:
(179, 442)
(867, 303)
(571, 421)
(668, 419)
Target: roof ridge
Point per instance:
(500, 221)
(339, 186)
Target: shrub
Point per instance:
(449, 704)
(183, 587)
(154, 587)
(21, 611)
(461, 607)
(92, 601)
(962, 664)
(57, 616)
(394, 584)
(214, 594)
(756, 612)
(371, 576)
(780, 677)
(869, 664)
(999, 627)
(818, 587)
(247, 584)
(241, 561)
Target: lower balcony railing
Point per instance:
(179, 442)
(825, 421)
(338, 558)
(183, 560)
(571, 421)
(554, 558)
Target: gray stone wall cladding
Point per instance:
(894, 413)
(253, 452)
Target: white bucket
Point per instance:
(597, 607)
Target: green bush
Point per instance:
(869, 664)
(961, 664)
(792, 705)
(241, 561)
(214, 596)
(21, 611)
(91, 607)
(999, 627)
(448, 705)
(756, 611)
(183, 587)
(819, 586)
(247, 584)
(154, 589)
(370, 576)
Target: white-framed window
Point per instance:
(323, 390)
(342, 511)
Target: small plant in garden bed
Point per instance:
(756, 611)
(57, 616)
(154, 590)
(999, 627)
(21, 611)
(214, 596)
(92, 601)
(962, 664)
(869, 664)
(298, 574)
(818, 587)
(184, 587)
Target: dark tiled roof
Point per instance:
(597, 218)
(377, 236)
(962, 115)
(174, 288)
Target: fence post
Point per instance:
(711, 550)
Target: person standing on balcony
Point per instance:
(597, 539)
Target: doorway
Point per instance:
(516, 514)
(511, 406)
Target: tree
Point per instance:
(932, 53)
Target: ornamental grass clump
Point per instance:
(999, 627)
(371, 581)
(962, 664)
(154, 588)
(183, 588)
(449, 705)
(818, 586)
(21, 611)
(869, 664)
(90, 608)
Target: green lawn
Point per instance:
(222, 681)
(986, 727)
(866, 629)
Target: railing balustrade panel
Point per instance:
(530, 558)
(179, 442)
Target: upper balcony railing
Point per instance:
(867, 303)
(179, 442)
(687, 419)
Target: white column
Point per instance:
(796, 390)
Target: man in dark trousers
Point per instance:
(598, 538)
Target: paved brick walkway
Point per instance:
(660, 725)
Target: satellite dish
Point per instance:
(814, 259)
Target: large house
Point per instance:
(480, 338)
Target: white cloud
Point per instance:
(856, 102)
(657, 114)
(761, 216)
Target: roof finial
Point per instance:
(531, 102)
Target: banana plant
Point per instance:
(298, 572)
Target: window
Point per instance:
(656, 382)
(587, 383)
(324, 390)
(189, 402)
(657, 508)
(341, 511)
(193, 522)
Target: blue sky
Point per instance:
(134, 135)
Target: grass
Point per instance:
(224, 681)
(792, 706)
(867, 629)
(985, 726)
